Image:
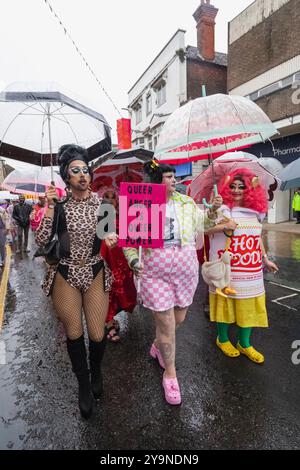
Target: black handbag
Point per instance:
(51, 250)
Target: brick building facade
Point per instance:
(264, 65)
(273, 41)
(213, 75)
(205, 66)
(265, 46)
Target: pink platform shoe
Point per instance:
(155, 353)
(172, 391)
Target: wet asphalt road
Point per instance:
(227, 403)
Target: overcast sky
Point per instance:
(118, 38)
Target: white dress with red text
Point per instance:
(246, 266)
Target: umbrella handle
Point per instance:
(209, 206)
(139, 279)
(55, 198)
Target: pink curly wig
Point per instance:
(254, 196)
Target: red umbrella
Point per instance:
(123, 166)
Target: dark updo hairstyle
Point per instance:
(67, 154)
(154, 171)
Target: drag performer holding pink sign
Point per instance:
(169, 275)
(240, 218)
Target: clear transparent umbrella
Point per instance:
(290, 176)
(210, 126)
(36, 119)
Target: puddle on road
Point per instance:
(282, 245)
(284, 249)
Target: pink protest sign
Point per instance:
(142, 211)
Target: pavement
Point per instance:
(286, 227)
(3, 283)
(227, 403)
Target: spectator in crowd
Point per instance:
(4, 230)
(21, 214)
(296, 205)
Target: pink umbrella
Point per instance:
(33, 180)
(202, 185)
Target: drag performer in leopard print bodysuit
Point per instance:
(81, 280)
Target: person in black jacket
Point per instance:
(21, 214)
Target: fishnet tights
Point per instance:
(69, 302)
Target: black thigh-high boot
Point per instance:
(77, 353)
(96, 354)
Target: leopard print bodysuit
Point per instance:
(80, 269)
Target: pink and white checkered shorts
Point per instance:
(170, 278)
